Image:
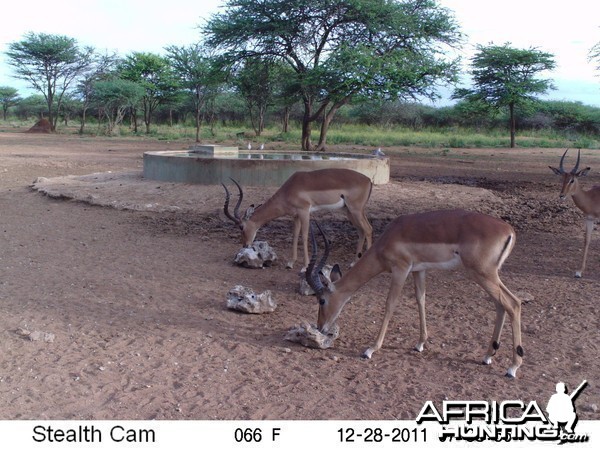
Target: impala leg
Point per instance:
(589, 226)
(365, 231)
(296, 233)
(419, 279)
(366, 228)
(513, 308)
(304, 220)
(495, 341)
(398, 279)
(506, 303)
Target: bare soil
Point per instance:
(113, 293)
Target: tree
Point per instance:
(196, 69)
(115, 97)
(594, 55)
(505, 77)
(154, 74)
(50, 63)
(8, 97)
(32, 106)
(255, 82)
(340, 49)
(102, 67)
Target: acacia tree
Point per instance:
(197, 71)
(154, 74)
(594, 55)
(50, 63)
(256, 82)
(9, 96)
(505, 77)
(115, 97)
(340, 49)
(102, 67)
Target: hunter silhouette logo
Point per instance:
(508, 420)
(561, 407)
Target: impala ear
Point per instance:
(583, 173)
(555, 170)
(248, 212)
(336, 273)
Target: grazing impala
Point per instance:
(415, 243)
(302, 194)
(586, 201)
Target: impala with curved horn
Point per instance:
(302, 194)
(414, 243)
(586, 201)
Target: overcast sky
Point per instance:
(567, 30)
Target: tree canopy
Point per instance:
(50, 63)
(155, 75)
(342, 49)
(504, 76)
(9, 96)
(197, 72)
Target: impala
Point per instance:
(586, 201)
(413, 244)
(302, 194)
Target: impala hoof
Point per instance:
(367, 354)
(510, 374)
(289, 265)
(419, 347)
(578, 274)
(487, 360)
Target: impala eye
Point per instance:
(321, 301)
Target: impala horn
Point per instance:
(561, 167)
(576, 168)
(236, 211)
(312, 272)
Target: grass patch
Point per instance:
(345, 134)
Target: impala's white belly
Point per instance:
(338, 205)
(451, 263)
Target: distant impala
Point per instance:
(586, 201)
(302, 194)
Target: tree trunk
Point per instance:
(49, 102)
(83, 118)
(286, 119)
(306, 126)
(197, 124)
(511, 108)
(326, 122)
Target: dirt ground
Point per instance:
(113, 305)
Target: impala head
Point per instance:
(569, 179)
(329, 303)
(247, 226)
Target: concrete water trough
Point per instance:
(213, 164)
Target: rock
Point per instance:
(244, 299)
(310, 336)
(305, 289)
(524, 296)
(258, 255)
(36, 335)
